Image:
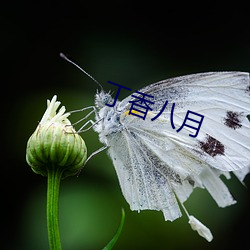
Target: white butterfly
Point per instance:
(159, 168)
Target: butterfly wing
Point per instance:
(155, 164)
(152, 170)
(141, 184)
(223, 98)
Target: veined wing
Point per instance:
(152, 169)
(140, 182)
(223, 98)
(184, 90)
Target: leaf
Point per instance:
(117, 234)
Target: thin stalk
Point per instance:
(54, 177)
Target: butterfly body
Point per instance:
(109, 118)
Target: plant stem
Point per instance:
(54, 177)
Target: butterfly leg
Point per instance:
(92, 154)
(86, 116)
(81, 129)
(96, 152)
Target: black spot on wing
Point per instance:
(212, 146)
(233, 119)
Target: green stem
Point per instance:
(54, 177)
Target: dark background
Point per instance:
(133, 44)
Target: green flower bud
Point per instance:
(55, 144)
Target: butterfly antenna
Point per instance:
(68, 60)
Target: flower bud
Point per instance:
(55, 144)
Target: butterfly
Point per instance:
(159, 168)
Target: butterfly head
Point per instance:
(102, 98)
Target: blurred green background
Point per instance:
(130, 43)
